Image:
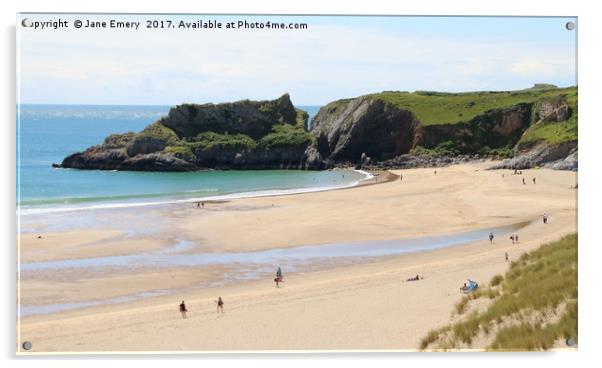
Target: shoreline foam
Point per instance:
(21, 211)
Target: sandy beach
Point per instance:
(359, 306)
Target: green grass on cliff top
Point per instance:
(433, 108)
(551, 132)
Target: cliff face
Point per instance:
(344, 131)
(239, 135)
(494, 129)
(378, 128)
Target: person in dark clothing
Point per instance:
(220, 305)
(491, 238)
(183, 309)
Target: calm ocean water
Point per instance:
(48, 133)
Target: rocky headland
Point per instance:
(527, 128)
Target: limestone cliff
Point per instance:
(380, 127)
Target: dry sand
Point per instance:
(361, 307)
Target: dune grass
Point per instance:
(538, 285)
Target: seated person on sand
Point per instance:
(414, 278)
(464, 288)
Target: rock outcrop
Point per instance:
(562, 156)
(240, 135)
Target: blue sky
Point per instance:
(335, 57)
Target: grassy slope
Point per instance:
(538, 283)
(450, 108)
(555, 132)
(552, 132)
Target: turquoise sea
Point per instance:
(48, 133)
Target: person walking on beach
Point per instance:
(278, 278)
(507, 259)
(279, 273)
(220, 305)
(534, 181)
(490, 238)
(516, 238)
(512, 238)
(545, 218)
(524, 181)
(183, 309)
(400, 177)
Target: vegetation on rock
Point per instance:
(451, 108)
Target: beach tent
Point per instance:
(472, 286)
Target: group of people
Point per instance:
(534, 181)
(220, 302)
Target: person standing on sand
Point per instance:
(524, 181)
(507, 259)
(400, 177)
(183, 309)
(516, 238)
(534, 181)
(545, 218)
(490, 238)
(512, 238)
(220, 305)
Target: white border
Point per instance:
(589, 248)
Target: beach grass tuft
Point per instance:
(533, 305)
